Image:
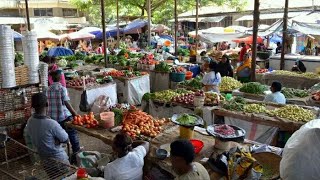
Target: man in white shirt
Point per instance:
(276, 96)
(130, 162)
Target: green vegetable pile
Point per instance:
(254, 108)
(291, 93)
(162, 67)
(194, 83)
(118, 116)
(186, 119)
(293, 113)
(18, 59)
(229, 84)
(236, 104)
(253, 88)
(183, 52)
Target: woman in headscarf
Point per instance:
(244, 70)
(224, 67)
(52, 66)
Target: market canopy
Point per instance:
(59, 51)
(110, 32)
(89, 29)
(47, 35)
(270, 16)
(159, 28)
(216, 37)
(80, 35)
(135, 25)
(248, 40)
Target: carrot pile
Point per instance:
(137, 122)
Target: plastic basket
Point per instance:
(177, 77)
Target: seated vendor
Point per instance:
(299, 67)
(212, 79)
(182, 156)
(224, 67)
(46, 134)
(129, 164)
(276, 96)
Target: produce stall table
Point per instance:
(290, 81)
(259, 97)
(167, 110)
(159, 81)
(93, 93)
(131, 90)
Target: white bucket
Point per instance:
(222, 145)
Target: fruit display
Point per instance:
(316, 96)
(291, 92)
(87, 120)
(309, 75)
(224, 129)
(163, 67)
(293, 113)
(212, 98)
(79, 82)
(254, 108)
(229, 84)
(253, 88)
(195, 83)
(186, 119)
(137, 123)
(261, 71)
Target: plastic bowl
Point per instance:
(189, 75)
(197, 144)
(161, 154)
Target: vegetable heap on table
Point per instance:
(167, 95)
(195, 83)
(212, 98)
(118, 110)
(162, 67)
(253, 88)
(309, 75)
(124, 73)
(186, 99)
(261, 71)
(291, 92)
(254, 108)
(236, 104)
(229, 84)
(293, 113)
(78, 82)
(224, 130)
(186, 119)
(137, 122)
(87, 120)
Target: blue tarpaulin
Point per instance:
(17, 36)
(110, 32)
(136, 24)
(59, 51)
(167, 37)
(275, 38)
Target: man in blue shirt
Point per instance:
(276, 96)
(47, 137)
(46, 134)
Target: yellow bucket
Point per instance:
(186, 132)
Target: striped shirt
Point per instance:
(57, 95)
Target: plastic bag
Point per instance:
(301, 155)
(101, 104)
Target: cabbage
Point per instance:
(62, 63)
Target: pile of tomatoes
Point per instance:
(114, 73)
(261, 71)
(87, 120)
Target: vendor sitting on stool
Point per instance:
(182, 156)
(244, 70)
(212, 79)
(276, 96)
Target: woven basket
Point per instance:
(270, 161)
(22, 77)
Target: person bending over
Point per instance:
(130, 159)
(182, 156)
(276, 96)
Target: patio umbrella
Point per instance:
(59, 51)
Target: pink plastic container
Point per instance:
(107, 119)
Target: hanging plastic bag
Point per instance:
(301, 155)
(101, 104)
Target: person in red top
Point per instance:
(243, 51)
(100, 49)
